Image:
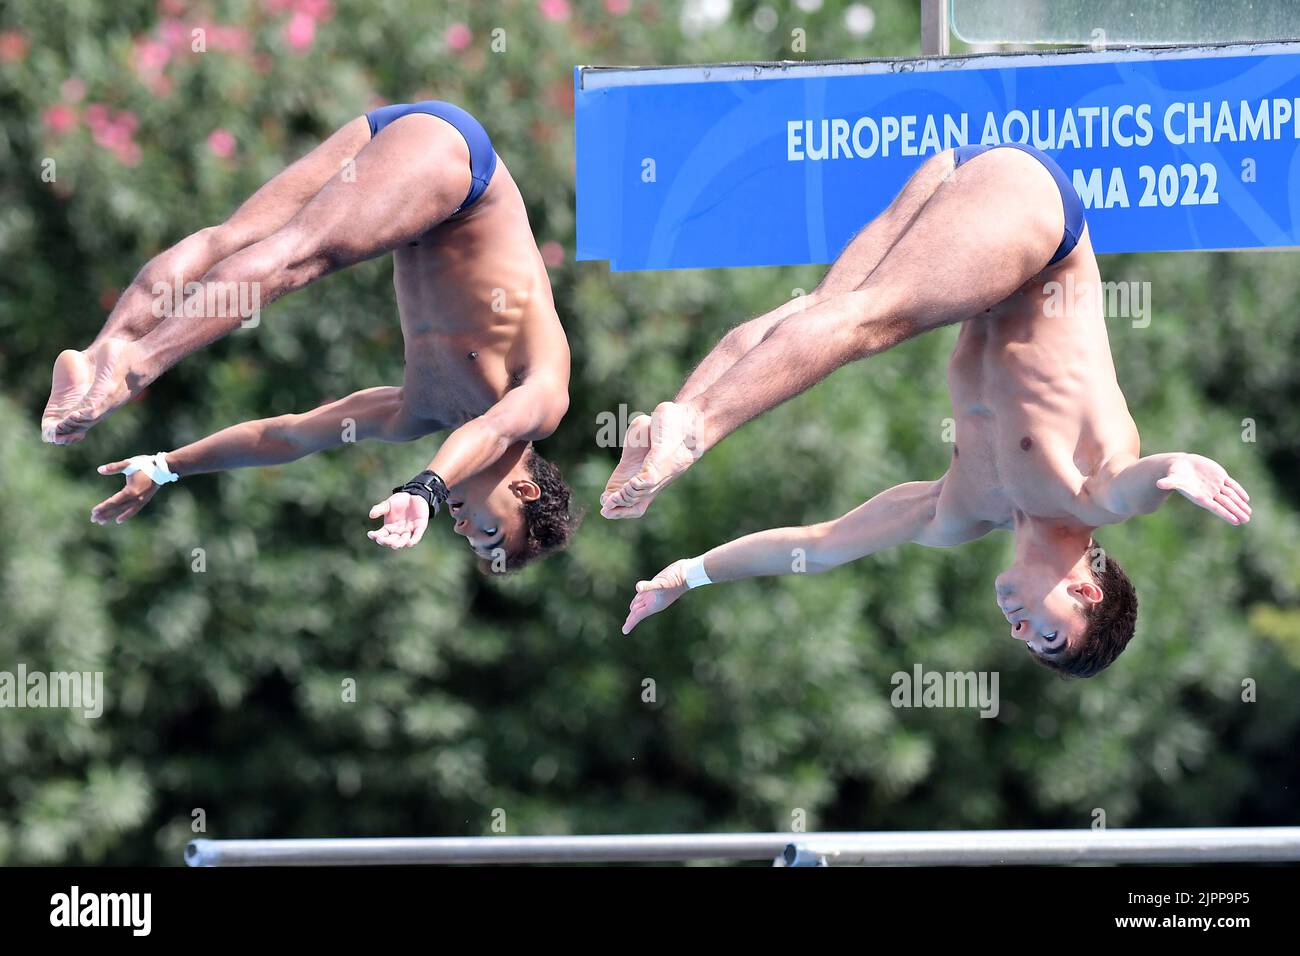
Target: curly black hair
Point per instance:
(549, 522)
(1109, 624)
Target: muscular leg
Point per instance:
(865, 251)
(268, 209)
(411, 177)
(978, 237)
(854, 264)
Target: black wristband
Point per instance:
(429, 486)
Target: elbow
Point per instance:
(489, 434)
(278, 438)
(550, 421)
(741, 339)
(820, 549)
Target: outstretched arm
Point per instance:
(904, 513)
(370, 413)
(530, 412)
(1127, 485)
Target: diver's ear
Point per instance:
(1087, 592)
(525, 490)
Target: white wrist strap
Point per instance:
(695, 574)
(155, 466)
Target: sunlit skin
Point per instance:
(485, 355)
(1044, 446)
(486, 509)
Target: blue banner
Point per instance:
(782, 164)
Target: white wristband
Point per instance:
(695, 573)
(155, 466)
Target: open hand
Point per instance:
(406, 517)
(655, 595)
(1205, 483)
(140, 488)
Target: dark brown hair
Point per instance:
(549, 522)
(1109, 624)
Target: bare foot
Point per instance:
(636, 445)
(73, 373)
(108, 390)
(672, 450)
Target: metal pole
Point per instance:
(934, 27)
(956, 847)
(998, 847)
(672, 847)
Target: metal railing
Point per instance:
(919, 848)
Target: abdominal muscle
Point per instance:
(475, 301)
(1035, 399)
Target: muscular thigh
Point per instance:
(283, 196)
(408, 179)
(984, 232)
(865, 250)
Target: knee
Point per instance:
(288, 258)
(220, 241)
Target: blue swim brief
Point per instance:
(482, 157)
(1070, 201)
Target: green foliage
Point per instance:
(225, 686)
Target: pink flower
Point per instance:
(13, 46)
(618, 7)
(222, 143)
(231, 39)
(553, 254)
(554, 10)
(458, 36)
(114, 131)
(300, 31)
(316, 9)
(96, 115)
(174, 34)
(60, 119)
(151, 56)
